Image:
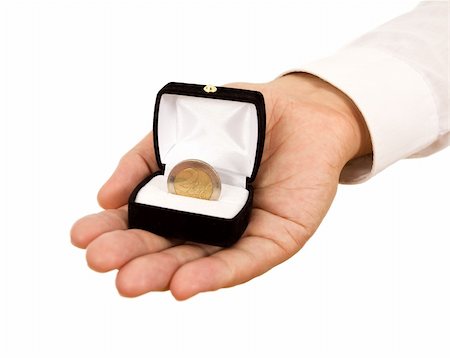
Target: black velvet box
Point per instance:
(224, 127)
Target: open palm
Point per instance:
(312, 131)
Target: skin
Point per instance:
(313, 130)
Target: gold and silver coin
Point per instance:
(196, 179)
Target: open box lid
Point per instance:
(224, 127)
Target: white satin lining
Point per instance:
(219, 132)
(231, 201)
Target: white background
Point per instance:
(77, 86)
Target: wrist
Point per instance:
(350, 124)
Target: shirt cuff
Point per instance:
(394, 99)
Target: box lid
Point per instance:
(222, 126)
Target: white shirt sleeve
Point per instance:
(398, 76)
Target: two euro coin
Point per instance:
(195, 179)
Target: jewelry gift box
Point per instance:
(224, 127)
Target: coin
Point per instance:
(194, 178)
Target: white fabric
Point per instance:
(232, 199)
(398, 76)
(222, 133)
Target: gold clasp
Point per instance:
(210, 89)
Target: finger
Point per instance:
(138, 163)
(153, 272)
(226, 268)
(114, 249)
(90, 227)
(250, 257)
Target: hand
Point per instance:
(313, 130)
